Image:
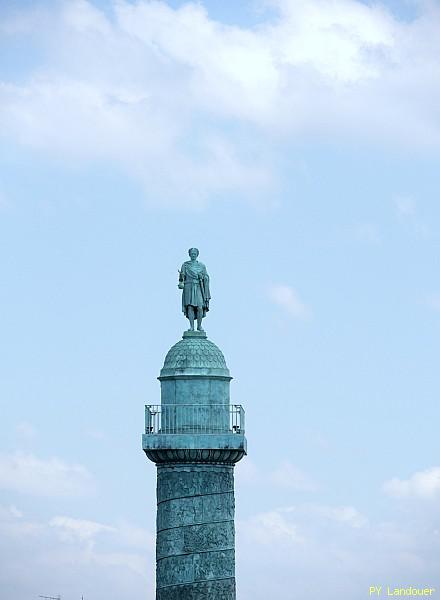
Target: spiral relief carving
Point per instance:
(195, 533)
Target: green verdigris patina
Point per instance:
(195, 437)
(194, 283)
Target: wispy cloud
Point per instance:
(66, 552)
(269, 527)
(422, 484)
(78, 529)
(28, 474)
(338, 542)
(288, 299)
(343, 514)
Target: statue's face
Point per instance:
(193, 253)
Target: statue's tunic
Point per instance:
(196, 286)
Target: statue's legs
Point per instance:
(199, 319)
(191, 317)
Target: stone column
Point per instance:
(195, 532)
(195, 437)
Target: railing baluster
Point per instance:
(193, 418)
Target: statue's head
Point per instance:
(193, 253)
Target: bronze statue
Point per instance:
(194, 283)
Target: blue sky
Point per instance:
(296, 144)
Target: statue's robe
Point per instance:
(196, 286)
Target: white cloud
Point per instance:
(289, 476)
(136, 537)
(78, 529)
(287, 298)
(343, 514)
(190, 107)
(25, 473)
(332, 551)
(76, 556)
(14, 524)
(339, 40)
(270, 527)
(70, 529)
(318, 549)
(8, 512)
(306, 513)
(422, 484)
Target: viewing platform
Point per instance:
(194, 432)
(194, 418)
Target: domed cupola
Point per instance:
(194, 355)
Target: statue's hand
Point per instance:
(180, 286)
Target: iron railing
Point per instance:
(194, 418)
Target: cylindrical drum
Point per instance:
(195, 532)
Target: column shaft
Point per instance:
(195, 532)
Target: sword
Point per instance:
(202, 288)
